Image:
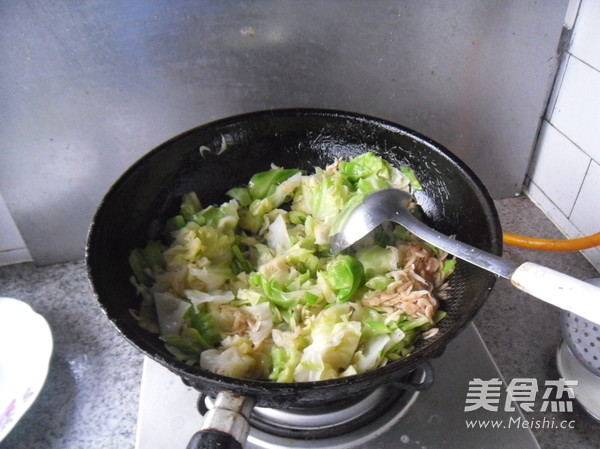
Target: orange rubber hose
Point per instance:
(577, 244)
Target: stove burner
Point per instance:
(324, 422)
(334, 419)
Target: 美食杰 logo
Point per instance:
(525, 394)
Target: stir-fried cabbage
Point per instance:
(249, 289)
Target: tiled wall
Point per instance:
(564, 178)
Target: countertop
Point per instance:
(90, 399)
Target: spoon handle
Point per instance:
(559, 289)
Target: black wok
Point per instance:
(136, 207)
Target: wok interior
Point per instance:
(137, 206)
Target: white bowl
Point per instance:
(25, 350)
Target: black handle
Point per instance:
(213, 439)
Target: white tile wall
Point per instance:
(586, 35)
(565, 172)
(577, 109)
(559, 167)
(585, 214)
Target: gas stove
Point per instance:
(170, 412)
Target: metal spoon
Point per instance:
(544, 283)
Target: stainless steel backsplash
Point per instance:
(90, 86)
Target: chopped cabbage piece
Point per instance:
(169, 310)
(260, 319)
(334, 340)
(263, 184)
(235, 360)
(377, 260)
(345, 274)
